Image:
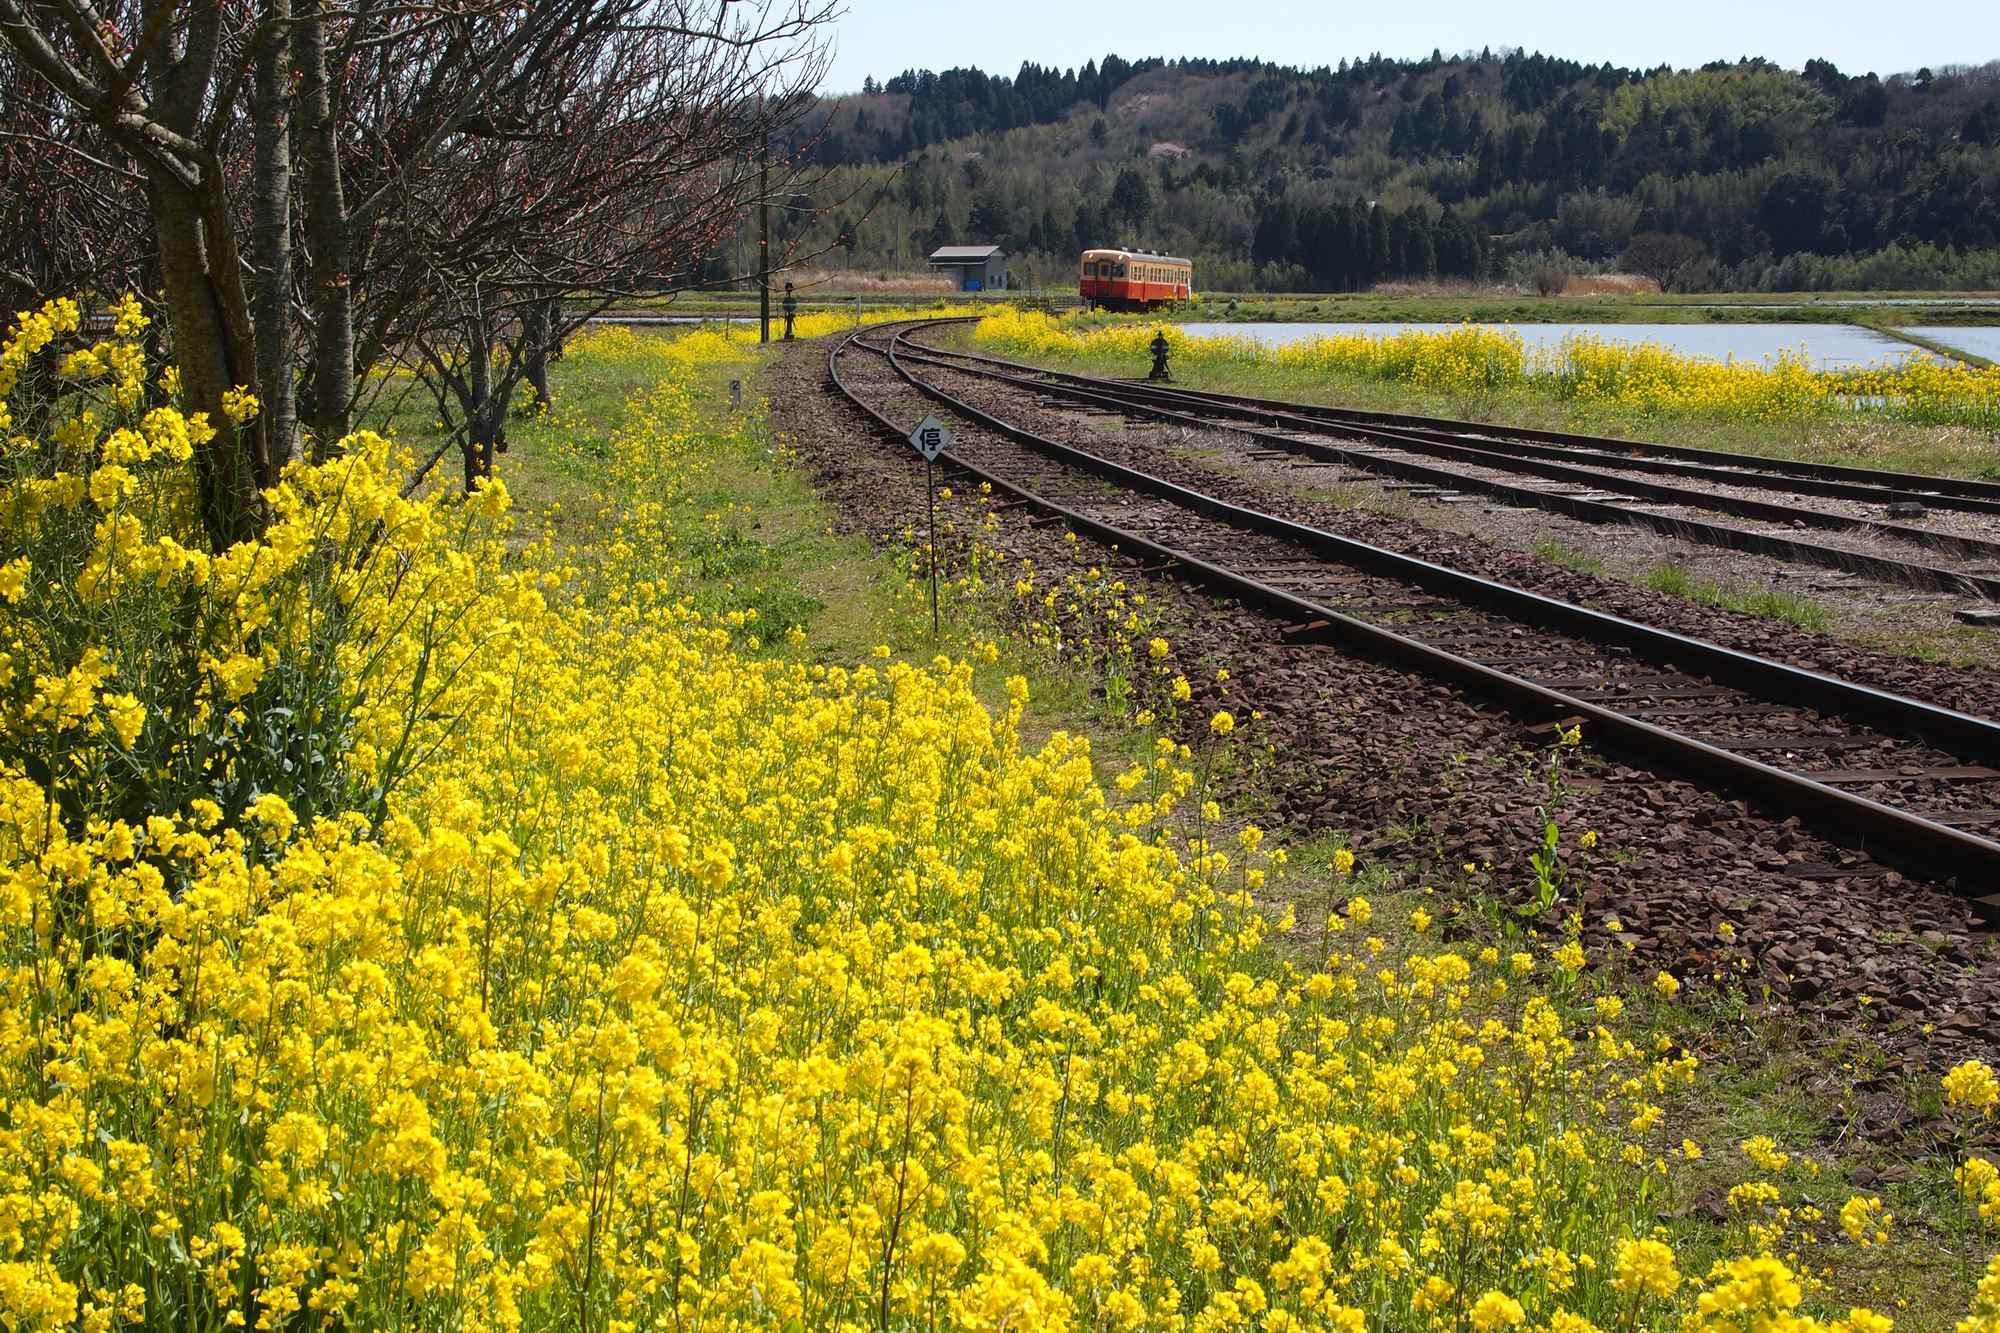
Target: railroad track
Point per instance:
(1912, 784)
(1584, 477)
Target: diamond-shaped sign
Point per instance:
(930, 439)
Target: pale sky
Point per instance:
(885, 37)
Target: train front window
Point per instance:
(1118, 271)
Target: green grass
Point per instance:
(1795, 1081)
(779, 551)
(1557, 553)
(563, 485)
(1951, 645)
(1675, 581)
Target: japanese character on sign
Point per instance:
(930, 439)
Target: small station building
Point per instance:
(973, 268)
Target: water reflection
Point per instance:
(1980, 342)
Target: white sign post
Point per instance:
(930, 439)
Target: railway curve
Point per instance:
(1925, 796)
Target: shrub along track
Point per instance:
(1361, 744)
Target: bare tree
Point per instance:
(620, 167)
(1678, 262)
(456, 160)
(160, 80)
(70, 207)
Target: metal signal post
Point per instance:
(930, 439)
(930, 503)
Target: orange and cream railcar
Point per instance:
(1134, 279)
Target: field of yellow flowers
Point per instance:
(405, 927)
(1644, 379)
(818, 323)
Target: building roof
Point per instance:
(963, 254)
(1127, 252)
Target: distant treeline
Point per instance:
(960, 102)
(1745, 174)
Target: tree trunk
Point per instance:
(541, 322)
(332, 390)
(207, 350)
(473, 459)
(485, 435)
(484, 418)
(271, 233)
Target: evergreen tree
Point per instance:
(1378, 245)
(1429, 122)
(1799, 211)
(1319, 241)
(990, 221)
(1545, 160)
(940, 233)
(1980, 127)
(1050, 232)
(1110, 75)
(1398, 265)
(1487, 173)
(916, 186)
(1354, 231)
(1276, 237)
(1089, 231)
(1866, 104)
(1457, 248)
(1420, 259)
(1403, 134)
(1131, 197)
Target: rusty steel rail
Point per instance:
(1964, 860)
(1165, 405)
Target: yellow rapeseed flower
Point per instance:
(624, 973)
(239, 404)
(1496, 1310)
(1645, 1268)
(1972, 1083)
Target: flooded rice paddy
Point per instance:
(1825, 346)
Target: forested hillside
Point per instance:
(1742, 176)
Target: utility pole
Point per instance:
(764, 240)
